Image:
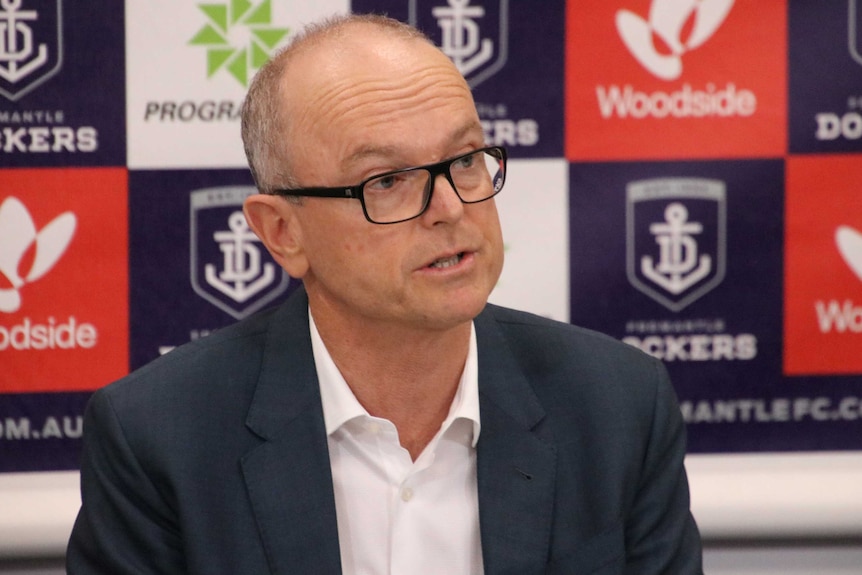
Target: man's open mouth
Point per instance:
(447, 262)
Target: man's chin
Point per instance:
(454, 312)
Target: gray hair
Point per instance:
(264, 123)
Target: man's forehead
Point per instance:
(470, 132)
(356, 86)
(364, 43)
(355, 61)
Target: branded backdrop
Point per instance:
(685, 176)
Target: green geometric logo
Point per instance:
(223, 20)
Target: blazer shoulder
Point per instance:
(572, 368)
(200, 366)
(524, 329)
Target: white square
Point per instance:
(177, 115)
(534, 213)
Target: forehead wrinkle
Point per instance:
(371, 150)
(371, 97)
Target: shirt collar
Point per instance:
(340, 404)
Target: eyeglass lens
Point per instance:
(404, 195)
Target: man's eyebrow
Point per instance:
(465, 130)
(365, 151)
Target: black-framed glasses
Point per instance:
(402, 195)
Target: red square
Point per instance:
(652, 79)
(63, 278)
(823, 266)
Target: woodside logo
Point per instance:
(677, 71)
(684, 103)
(843, 316)
(665, 24)
(823, 266)
(64, 243)
(18, 237)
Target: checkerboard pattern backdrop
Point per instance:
(685, 176)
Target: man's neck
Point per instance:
(406, 375)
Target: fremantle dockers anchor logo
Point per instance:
(229, 267)
(474, 36)
(675, 238)
(30, 45)
(854, 29)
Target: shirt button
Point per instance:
(406, 494)
(373, 427)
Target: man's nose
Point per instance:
(445, 205)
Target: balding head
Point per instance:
(266, 119)
(359, 100)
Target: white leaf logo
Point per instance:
(849, 243)
(18, 235)
(667, 19)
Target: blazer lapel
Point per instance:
(290, 484)
(288, 476)
(516, 462)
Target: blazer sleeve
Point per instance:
(661, 535)
(124, 525)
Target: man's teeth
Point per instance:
(446, 262)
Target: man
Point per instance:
(384, 419)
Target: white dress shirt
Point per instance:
(397, 516)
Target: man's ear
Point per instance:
(274, 221)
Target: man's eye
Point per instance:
(382, 184)
(465, 162)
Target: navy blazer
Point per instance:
(213, 458)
